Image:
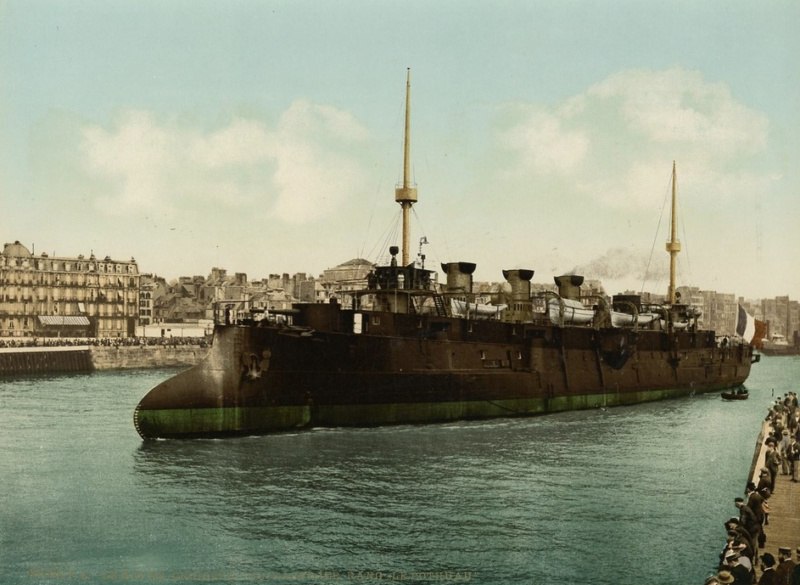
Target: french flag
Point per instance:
(749, 328)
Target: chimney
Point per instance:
(569, 286)
(459, 276)
(520, 281)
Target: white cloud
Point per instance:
(679, 106)
(313, 178)
(136, 157)
(544, 142)
(615, 141)
(297, 172)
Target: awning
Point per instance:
(63, 321)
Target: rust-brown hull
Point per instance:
(411, 369)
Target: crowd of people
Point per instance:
(747, 533)
(105, 341)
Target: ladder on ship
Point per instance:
(441, 307)
(438, 301)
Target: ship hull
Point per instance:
(413, 369)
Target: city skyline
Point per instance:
(257, 278)
(266, 137)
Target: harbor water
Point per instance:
(631, 495)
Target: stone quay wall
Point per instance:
(86, 358)
(146, 356)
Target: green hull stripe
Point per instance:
(209, 421)
(243, 420)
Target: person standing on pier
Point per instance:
(740, 573)
(766, 495)
(772, 461)
(786, 566)
(767, 570)
(763, 480)
(750, 522)
(784, 446)
(795, 580)
(793, 455)
(755, 502)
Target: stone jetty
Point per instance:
(86, 358)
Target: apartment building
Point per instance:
(66, 296)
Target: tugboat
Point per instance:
(409, 349)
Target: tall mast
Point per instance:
(673, 246)
(406, 195)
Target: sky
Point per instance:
(267, 137)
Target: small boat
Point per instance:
(740, 394)
(569, 311)
(475, 310)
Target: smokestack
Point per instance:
(569, 286)
(459, 276)
(520, 281)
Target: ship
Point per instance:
(778, 345)
(408, 349)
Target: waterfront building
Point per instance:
(66, 296)
(279, 281)
(309, 291)
(341, 281)
(721, 312)
(782, 316)
(146, 293)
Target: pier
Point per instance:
(783, 530)
(779, 554)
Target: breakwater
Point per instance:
(86, 358)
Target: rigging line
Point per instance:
(432, 188)
(382, 242)
(425, 234)
(655, 239)
(371, 216)
(391, 236)
(399, 120)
